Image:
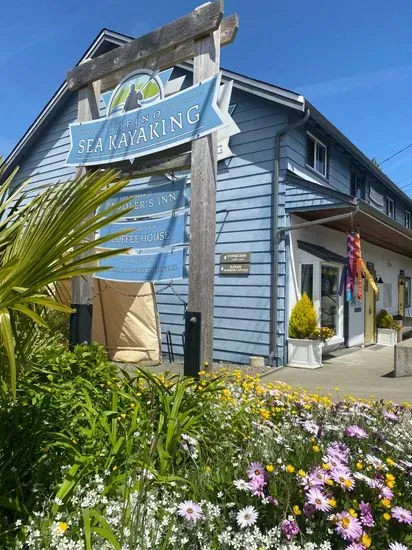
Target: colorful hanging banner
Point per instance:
(155, 233)
(143, 268)
(152, 200)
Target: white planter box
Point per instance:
(306, 354)
(387, 337)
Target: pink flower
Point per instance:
(356, 432)
(256, 486)
(366, 514)
(255, 469)
(402, 515)
(319, 500)
(390, 415)
(190, 510)
(356, 546)
(348, 527)
(386, 492)
(289, 528)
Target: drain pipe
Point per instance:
(273, 340)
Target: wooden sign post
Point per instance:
(198, 35)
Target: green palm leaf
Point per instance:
(46, 239)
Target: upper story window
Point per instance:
(317, 155)
(407, 219)
(390, 207)
(357, 185)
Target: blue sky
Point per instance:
(352, 59)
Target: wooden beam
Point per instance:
(82, 287)
(168, 58)
(203, 208)
(171, 160)
(200, 22)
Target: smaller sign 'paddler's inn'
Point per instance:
(290, 188)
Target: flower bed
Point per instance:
(92, 459)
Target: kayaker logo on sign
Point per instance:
(143, 119)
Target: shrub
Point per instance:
(303, 320)
(386, 320)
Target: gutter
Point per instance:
(274, 241)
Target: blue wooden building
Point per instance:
(290, 166)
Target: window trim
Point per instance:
(408, 282)
(316, 141)
(408, 217)
(389, 200)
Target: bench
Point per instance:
(403, 358)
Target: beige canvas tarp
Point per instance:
(125, 320)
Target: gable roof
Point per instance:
(107, 40)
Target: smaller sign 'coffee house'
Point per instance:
(241, 197)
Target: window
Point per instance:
(387, 295)
(307, 280)
(317, 157)
(390, 207)
(407, 219)
(357, 185)
(407, 292)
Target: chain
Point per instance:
(147, 295)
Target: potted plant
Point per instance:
(388, 329)
(306, 339)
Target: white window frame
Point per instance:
(316, 142)
(407, 219)
(391, 202)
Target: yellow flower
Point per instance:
(390, 477)
(332, 502)
(270, 467)
(386, 502)
(329, 482)
(390, 484)
(316, 448)
(389, 462)
(348, 483)
(301, 473)
(290, 469)
(359, 465)
(366, 540)
(62, 527)
(114, 468)
(336, 388)
(326, 466)
(386, 516)
(352, 513)
(297, 511)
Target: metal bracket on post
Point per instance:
(193, 326)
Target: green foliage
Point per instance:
(386, 320)
(45, 241)
(303, 321)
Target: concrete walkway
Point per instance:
(362, 373)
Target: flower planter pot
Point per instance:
(305, 354)
(387, 337)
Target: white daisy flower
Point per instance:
(246, 517)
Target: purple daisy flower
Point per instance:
(402, 515)
(390, 415)
(309, 510)
(289, 528)
(348, 527)
(319, 500)
(356, 546)
(255, 469)
(344, 478)
(356, 432)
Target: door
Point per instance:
(370, 310)
(329, 299)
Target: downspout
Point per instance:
(275, 238)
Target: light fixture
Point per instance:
(379, 281)
(401, 282)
